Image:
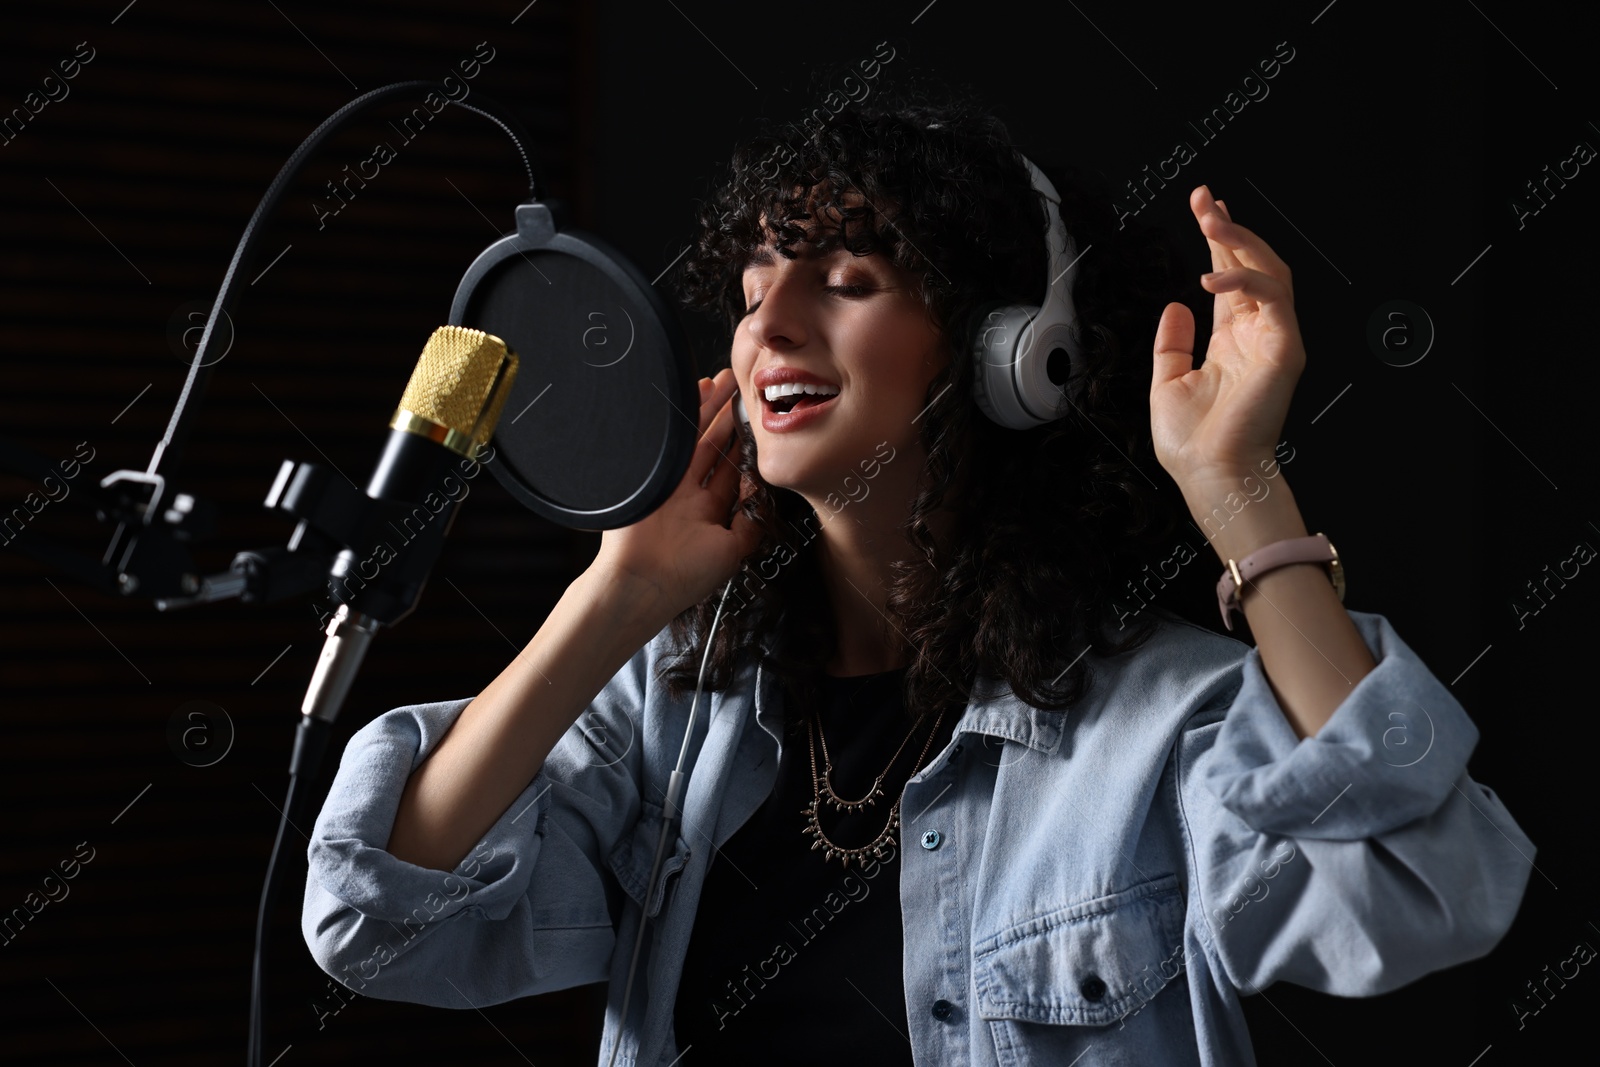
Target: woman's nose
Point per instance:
(780, 319)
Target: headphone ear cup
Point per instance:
(1003, 337)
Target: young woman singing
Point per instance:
(955, 795)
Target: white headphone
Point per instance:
(1025, 356)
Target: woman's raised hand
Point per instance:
(1213, 424)
(686, 549)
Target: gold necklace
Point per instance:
(821, 786)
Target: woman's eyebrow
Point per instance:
(763, 256)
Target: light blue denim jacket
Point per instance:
(1104, 884)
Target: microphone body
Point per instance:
(442, 426)
(436, 438)
(427, 482)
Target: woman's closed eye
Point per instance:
(842, 290)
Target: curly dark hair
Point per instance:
(1047, 520)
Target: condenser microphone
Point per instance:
(438, 438)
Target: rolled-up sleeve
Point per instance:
(528, 910)
(1356, 860)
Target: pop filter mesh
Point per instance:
(587, 421)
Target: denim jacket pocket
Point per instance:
(635, 851)
(1087, 964)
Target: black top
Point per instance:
(797, 960)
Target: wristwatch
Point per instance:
(1314, 549)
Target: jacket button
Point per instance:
(930, 841)
(942, 1009)
(1092, 988)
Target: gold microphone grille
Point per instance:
(460, 385)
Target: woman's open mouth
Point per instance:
(792, 408)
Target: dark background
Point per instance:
(1381, 165)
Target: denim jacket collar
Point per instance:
(999, 714)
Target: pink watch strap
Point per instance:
(1313, 549)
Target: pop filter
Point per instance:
(603, 418)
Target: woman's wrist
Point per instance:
(1237, 521)
(636, 606)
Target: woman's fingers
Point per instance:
(724, 481)
(1246, 289)
(715, 438)
(1222, 257)
(1243, 246)
(723, 384)
(714, 395)
(702, 416)
(1174, 344)
(1206, 214)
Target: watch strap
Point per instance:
(1313, 549)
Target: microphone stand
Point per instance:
(349, 635)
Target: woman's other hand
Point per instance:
(686, 549)
(1214, 425)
